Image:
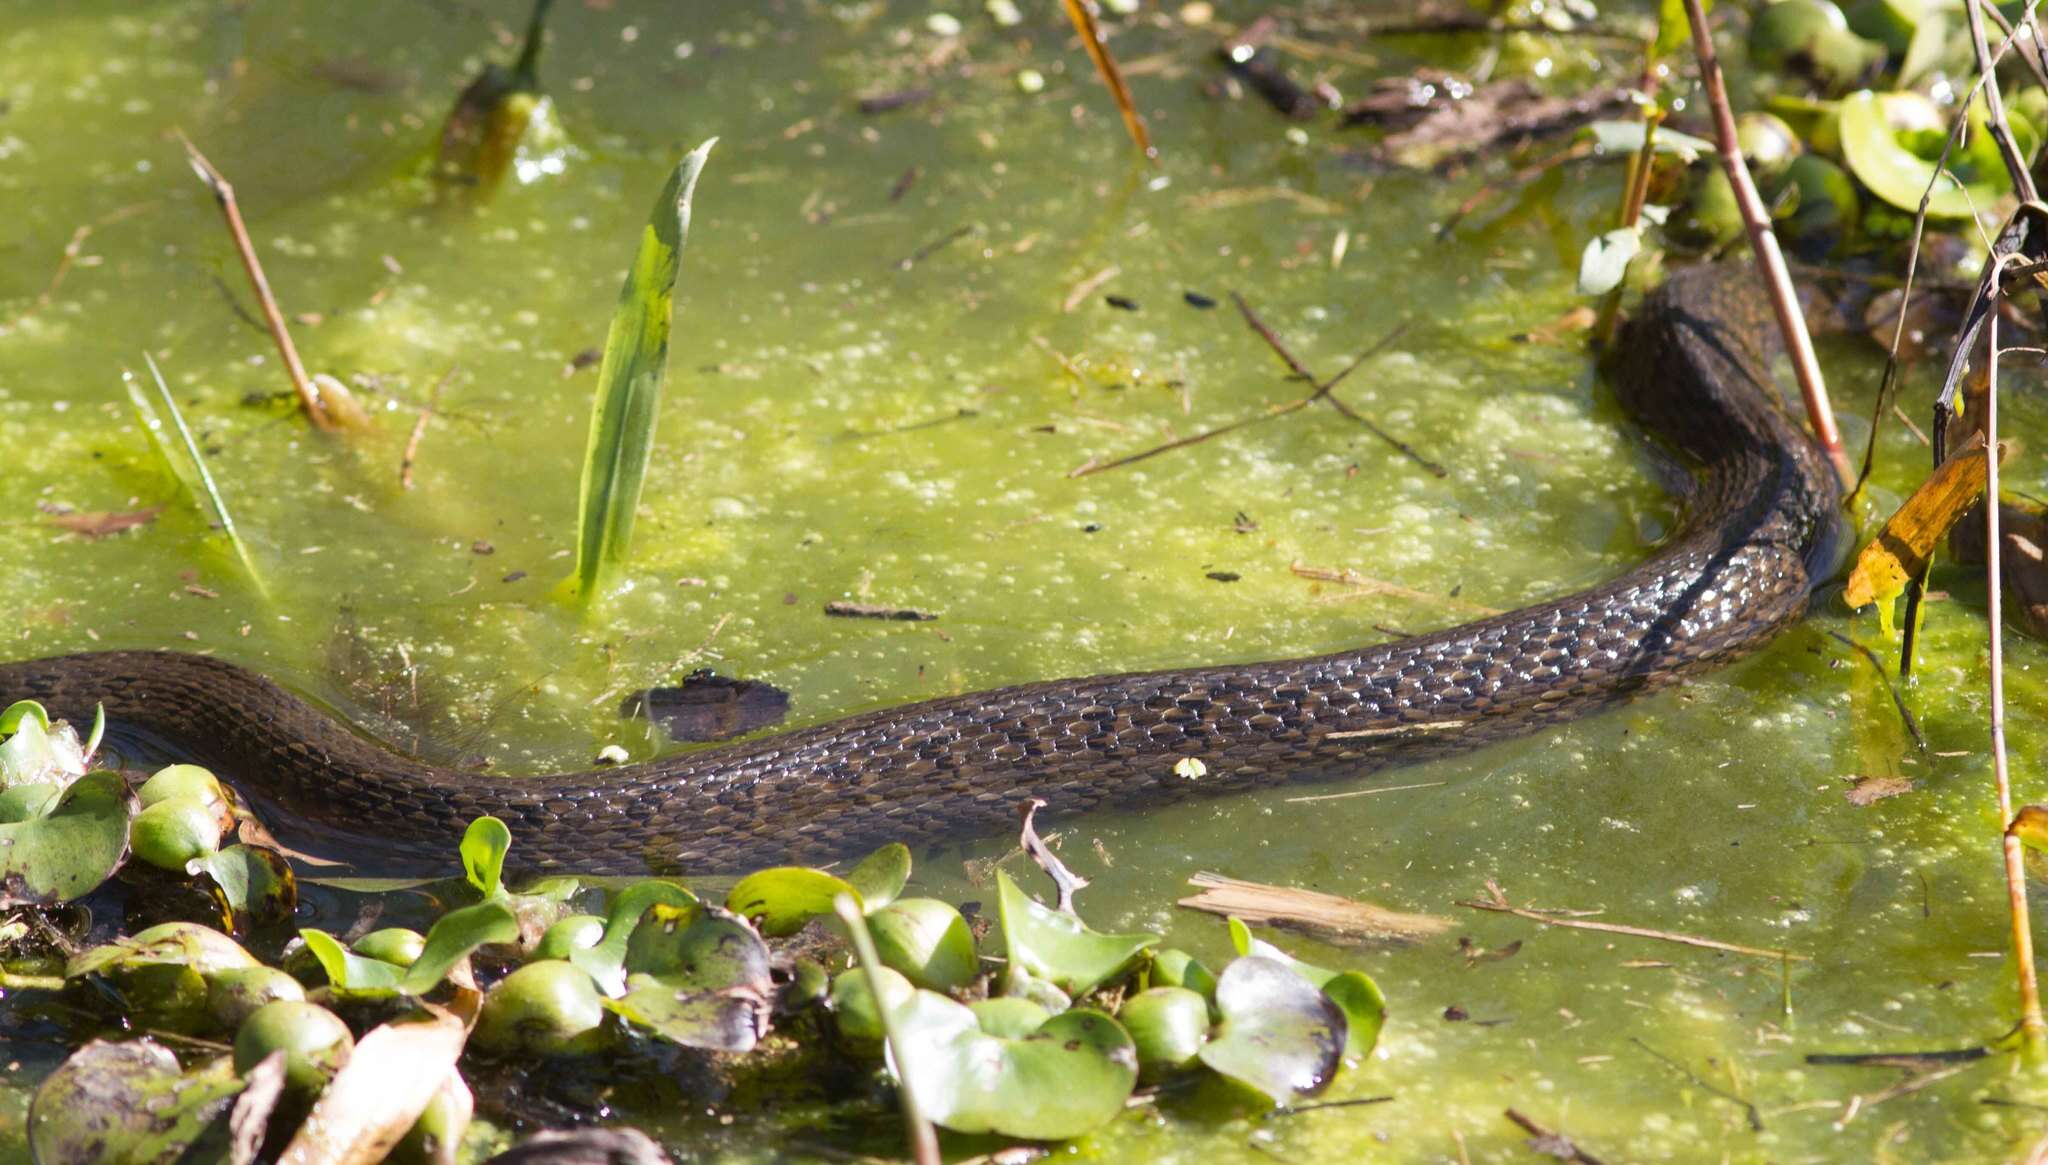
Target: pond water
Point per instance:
(841, 424)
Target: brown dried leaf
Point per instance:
(388, 1081)
(1324, 916)
(1901, 549)
(94, 525)
(1867, 790)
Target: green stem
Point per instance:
(924, 1143)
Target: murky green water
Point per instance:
(840, 427)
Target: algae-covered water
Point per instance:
(842, 424)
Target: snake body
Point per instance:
(1689, 368)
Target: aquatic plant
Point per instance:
(628, 401)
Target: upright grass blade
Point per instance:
(189, 469)
(629, 387)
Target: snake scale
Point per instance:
(1689, 368)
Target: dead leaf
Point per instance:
(387, 1083)
(1867, 790)
(1324, 916)
(1901, 550)
(94, 525)
(250, 1118)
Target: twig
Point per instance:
(1770, 260)
(419, 427)
(1898, 701)
(1324, 390)
(310, 397)
(1994, 107)
(1087, 287)
(1756, 1119)
(1551, 1142)
(1082, 13)
(2033, 1027)
(1364, 792)
(1499, 904)
(1069, 882)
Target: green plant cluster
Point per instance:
(1043, 1036)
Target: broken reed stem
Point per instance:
(1082, 13)
(1770, 261)
(2033, 1028)
(224, 194)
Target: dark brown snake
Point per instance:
(1760, 515)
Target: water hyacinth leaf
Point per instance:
(622, 421)
(698, 976)
(1058, 947)
(185, 464)
(880, 876)
(605, 961)
(21, 712)
(547, 1007)
(853, 1002)
(71, 848)
(928, 941)
(1974, 180)
(1280, 1035)
(1625, 139)
(185, 944)
(730, 1020)
(1009, 1016)
(483, 849)
(1070, 1075)
(348, 971)
(22, 802)
(1674, 29)
(256, 883)
(1364, 1007)
(1174, 967)
(781, 899)
(1606, 260)
(452, 937)
(126, 1102)
(1168, 1025)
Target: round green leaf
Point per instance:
(313, 1039)
(854, 1008)
(1280, 1035)
(1009, 1016)
(1365, 1009)
(1065, 1078)
(549, 1007)
(928, 941)
(126, 1102)
(257, 883)
(1174, 967)
(173, 782)
(1057, 947)
(68, 851)
(176, 833)
(1168, 1025)
(780, 900)
(187, 944)
(1897, 174)
(880, 876)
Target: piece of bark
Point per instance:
(1311, 912)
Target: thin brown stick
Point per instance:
(1323, 391)
(1763, 244)
(1552, 1142)
(2033, 1027)
(224, 193)
(419, 428)
(2029, 46)
(1082, 13)
(1068, 882)
(1499, 904)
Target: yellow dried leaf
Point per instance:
(1901, 550)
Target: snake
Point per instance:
(1757, 531)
